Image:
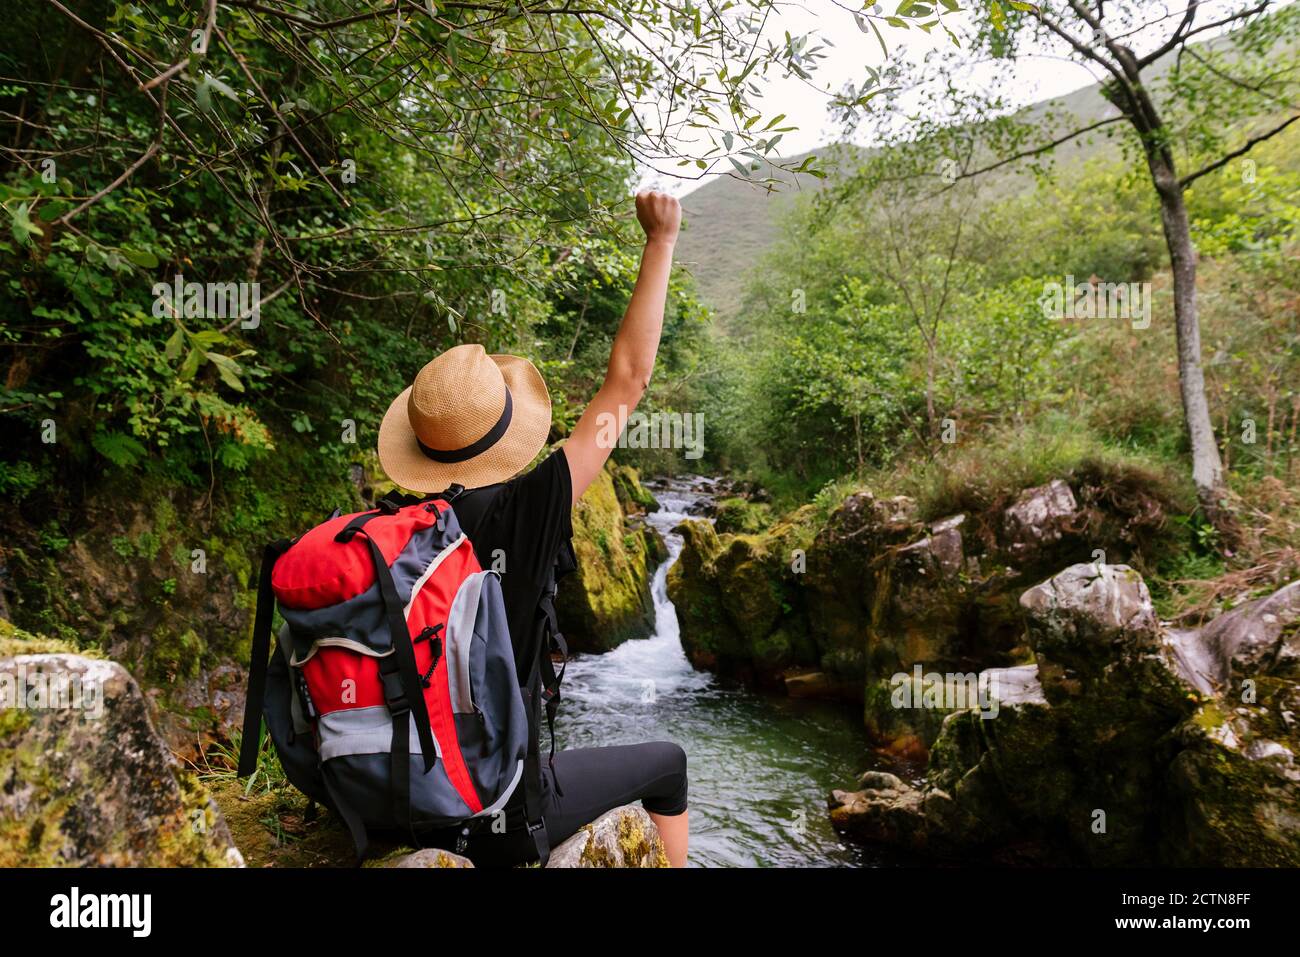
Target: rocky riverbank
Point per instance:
(1014, 653)
(837, 605)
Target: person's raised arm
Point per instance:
(632, 358)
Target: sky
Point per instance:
(1038, 77)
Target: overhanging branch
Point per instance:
(1245, 148)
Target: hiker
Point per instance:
(478, 421)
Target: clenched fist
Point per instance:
(659, 214)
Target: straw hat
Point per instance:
(469, 418)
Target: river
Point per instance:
(760, 766)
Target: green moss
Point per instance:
(34, 838)
(14, 721)
(16, 641)
(174, 654)
(738, 515)
(607, 600)
(635, 848)
(632, 495)
(1209, 717)
(1242, 811)
(271, 829)
(194, 837)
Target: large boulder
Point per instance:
(429, 857)
(607, 600)
(623, 837)
(961, 806)
(1236, 783)
(1039, 518)
(1085, 620)
(738, 604)
(86, 781)
(1259, 636)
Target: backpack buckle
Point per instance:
(394, 695)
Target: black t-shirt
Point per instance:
(518, 528)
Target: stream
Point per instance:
(760, 766)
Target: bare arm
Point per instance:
(632, 358)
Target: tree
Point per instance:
(922, 247)
(1185, 108)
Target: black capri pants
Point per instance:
(592, 781)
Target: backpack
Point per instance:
(393, 696)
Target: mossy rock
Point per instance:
(607, 600)
(623, 837)
(739, 603)
(86, 781)
(633, 497)
(1236, 783)
(16, 641)
(740, 516)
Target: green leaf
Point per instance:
(22, 226)
(203, 95)
(880, 39)
(227, 368)
(174, 345)
(141, 257)
(122, 450)
(191, 365)
(53, 210)
(207, 338)
(226, 91)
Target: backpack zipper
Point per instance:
(429, 634)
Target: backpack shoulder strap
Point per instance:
(542, 690)
(249, 743)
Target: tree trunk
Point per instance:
(1207, 467)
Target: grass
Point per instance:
(220, 763)
(995, 466)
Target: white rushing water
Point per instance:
(760, 767)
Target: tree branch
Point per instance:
(175, 68)
(129, 171)
(1039, 150)
(1175, 38)
(1241, 151)
(1240, 15)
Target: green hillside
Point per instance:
(729, 222)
